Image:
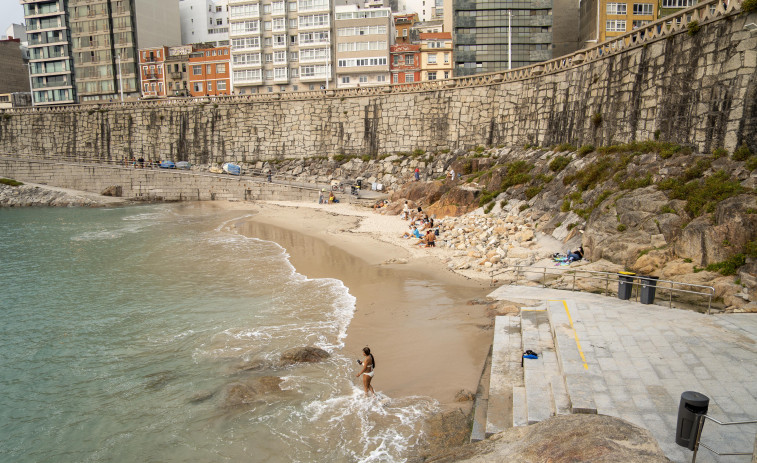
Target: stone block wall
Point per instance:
(152, 184)
(696, 89)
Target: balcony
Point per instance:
(175, 75)
(249, 80)
(152, 76)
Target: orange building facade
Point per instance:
(208, 72)
(405, 63)
(152, 72)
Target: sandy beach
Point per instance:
(411, 310)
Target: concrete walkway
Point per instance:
(642, 357)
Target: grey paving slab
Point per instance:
(505, 361)
(647, 355)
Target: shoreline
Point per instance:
(427, 340)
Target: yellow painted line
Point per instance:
(575, 335)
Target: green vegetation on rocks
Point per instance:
(559, 163)
(742, 153)
(10, 182)
(701, 195)
(584, 150)
(729, 266)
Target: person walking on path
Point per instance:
(369, 366)
(417, 174)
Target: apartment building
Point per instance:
(363, 37)
(204, 21)
(50, 62)
(405, 63)
(436, 55)
(163, 71)
(537, 31)
(209, 73)
(280, 46)
(105, 36)
(603, 19)
(403, 25)
(152, 72)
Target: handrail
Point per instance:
(606, 277)
(699, 436)
(677, 23)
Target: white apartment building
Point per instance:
(204, 21)
(280, 45)
(363, 37)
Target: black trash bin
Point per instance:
(648, 286)
(625, 285)
(691, 410)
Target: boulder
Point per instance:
(595, 438)
(244, 393)
(113, 190)
(303, 355)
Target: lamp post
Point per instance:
(120, 81)
(509, 40)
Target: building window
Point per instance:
(268, 41)
(432, 75)
(280, 57)
(279, 40)
(345, 79)
(221, 85)
(267, 25)
(363, 79)
(269, 57)
(220, 68)
(432, 58)
(446, 74)
(267, 9)
(280, 73)
(640, 23)
(409, 77)
(210, 86)
(381, 78)
(644, 9)
(395, 78)
(198, 87)
(209, 69)
(219, 22)
(615, 25)
(294, 87)
(294, 72)
(197, 70)
(616, 8)
(404, 32)
(269, 89)
(293, 56)
(292, 6)
(292, 23)
(279, 24)
(269, 74)
(677, 3)
(408, 60)
(446, 58)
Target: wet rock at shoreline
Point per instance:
(247, 392)
(303, 355)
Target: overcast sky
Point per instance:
(11, 11)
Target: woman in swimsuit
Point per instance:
(369, 366)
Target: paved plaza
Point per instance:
(641, 358)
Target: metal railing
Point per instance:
(699, 436)
(607, 277)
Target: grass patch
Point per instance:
(571, 226)
(742, 153)
(517, 174)
(533, 191)
(559, 163)
(10, 182)
(584, 150)
(591, 175)
(702, 195)
(751, 163)
(636, 182)
(523, 207)
(487, 197)
(666, 209)
(748, 6)
(488, 208)
(565, 147)
(729, 266)
(719, 153)
(693, 27)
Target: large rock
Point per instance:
(303, 355)
(566, 438)
(244, 393)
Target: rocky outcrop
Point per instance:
(247, 392)
(303, 355)
(595, 438)
(36, 195)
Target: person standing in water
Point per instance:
(369, 366)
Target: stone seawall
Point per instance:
(152, 184)
(694, 86)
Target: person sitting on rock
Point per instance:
(576, 255)
(412, 233)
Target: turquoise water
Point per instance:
(123, 329)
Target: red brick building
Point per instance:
(152, 72)
(209, 73)
(405, 63)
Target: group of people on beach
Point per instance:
(419, 221)
(324, 199)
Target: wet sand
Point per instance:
(426, 338)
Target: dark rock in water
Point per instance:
(201, 396)
(113, 190)
(464, 396)
(303, 354)
(252, 365)
(243, 393)
(595, 438)
(158, 381)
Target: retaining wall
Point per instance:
(696, 88)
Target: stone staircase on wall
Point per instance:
(518, 392)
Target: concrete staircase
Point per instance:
(519, 392)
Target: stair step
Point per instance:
(571, 360)
(505, 364)
(538, 373)
(520, 410)
(481, 403)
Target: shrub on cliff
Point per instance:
(559, 163)
(748, 6)
(702, 195)
(742, 153)
(10, 182)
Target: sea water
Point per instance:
(123, 330)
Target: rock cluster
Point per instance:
(28, 195)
